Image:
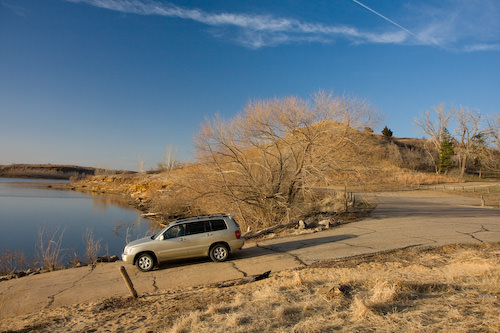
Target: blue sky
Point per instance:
(109, 82)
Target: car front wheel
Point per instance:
(145, 262)
(219, 252)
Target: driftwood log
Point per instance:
(241, 281)
(250, 234)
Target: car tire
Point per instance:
(219, 252)
(145, 262)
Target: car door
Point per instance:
(173, 245)
(196, 238)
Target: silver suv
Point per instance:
(213, 235)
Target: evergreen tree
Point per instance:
(387, 132)
(445, 152)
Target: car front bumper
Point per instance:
(128, 258)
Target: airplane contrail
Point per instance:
(385, 18)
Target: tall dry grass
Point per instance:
(12, 261)
(49, 248)
(452, 288)
(92, 246)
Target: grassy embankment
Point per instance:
(453, 288)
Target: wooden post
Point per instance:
(345, 198)
(128, 282)
(483, 203)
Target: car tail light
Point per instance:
(237, 233)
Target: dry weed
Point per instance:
(453, 289)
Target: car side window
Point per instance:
(218, 225)
(175, 231)
(194, 228)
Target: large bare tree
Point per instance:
(471, 137)
(494, 131)
(433, 124)
(266, 160)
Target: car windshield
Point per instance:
(157, 236)
(175, 231)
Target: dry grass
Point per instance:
(49, 248)
(12, 261)
(92, 246)
(452, 288)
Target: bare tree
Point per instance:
(268, 158)
(490, 150)
(471, 137)
(170, 161)
(494, 131)
(433, 125)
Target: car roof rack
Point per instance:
(201, 217)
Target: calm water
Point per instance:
(26, 207)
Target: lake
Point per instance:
(28, 206)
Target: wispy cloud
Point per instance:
(18, 10)
(253, 31)
(460, 25)
(482, 47)
(256, 31)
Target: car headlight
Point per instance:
(128, 250)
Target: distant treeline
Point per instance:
(52, 171)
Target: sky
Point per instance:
(114, 83)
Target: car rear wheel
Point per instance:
(219, 252)
(145, 262)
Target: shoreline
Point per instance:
(25, 260)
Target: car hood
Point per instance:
(139, 241)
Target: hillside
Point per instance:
(374, 163)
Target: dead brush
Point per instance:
(384, 292)
(175, 204)
(92, 246)
(12, 261)
(49, 248)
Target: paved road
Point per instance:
(400, 220)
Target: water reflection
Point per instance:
(24, 209)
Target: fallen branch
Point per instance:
(241, 281)
(149, 214)
(250, 234)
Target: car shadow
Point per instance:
(286, 246)
(260, 249)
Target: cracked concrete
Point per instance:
(155, 287)
(73, 284)
(277, 250)
(401, 220)
(473, 234)
(239, 270)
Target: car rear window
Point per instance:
(218, 225)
